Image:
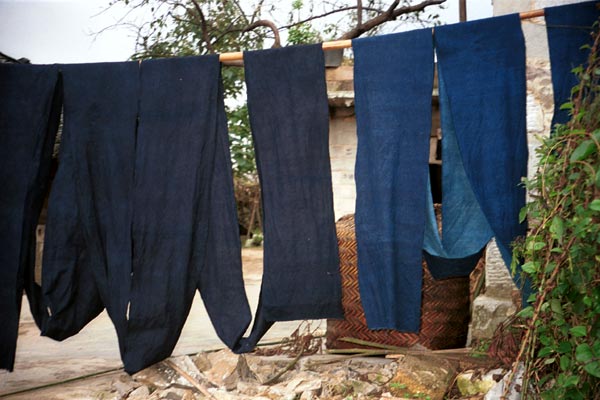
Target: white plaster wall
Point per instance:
(342, 151)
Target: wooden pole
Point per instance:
(462, 10)
(345, 44)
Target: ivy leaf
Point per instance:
(565, 362)
(523, 214)
(556, 306)
(582, 151)
(527, 312)
(545, 351)
(595, 205)
(593, 369)
(583, 353)
(529, 267)
(567, 381)
(566, 106)
(564, 347)
(557, 228)
(578, 331)
(549, 361)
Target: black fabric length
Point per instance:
(30, 101)
(287, 102)
(142, 213)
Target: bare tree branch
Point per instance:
(268, 24)
(327, 14)
(256, 12)
(359, 10)
(242, 12)
(204, 27)
(391, 14)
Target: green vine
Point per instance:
(561, 254)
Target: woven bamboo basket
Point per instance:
(444, 309)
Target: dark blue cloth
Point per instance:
(393, 83)
(142, 212)
(482, 68)
(465, 227)
(183, 196)
(568, 27)
(30, 101)
(287, 102)
(87, 249)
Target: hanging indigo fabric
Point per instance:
(482, 69)
(30, 102)
(287, 101)
(185, 230)
(393, 83)
(465, 227)
(139, 220)
(87, 251)
(568, 27)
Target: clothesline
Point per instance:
(346, 44)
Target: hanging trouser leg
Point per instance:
(287, 102)
(569, 29)
(87, 255)
(177, 208)
(482, 65)
(393, 83)
(29, 115)
(221, 283)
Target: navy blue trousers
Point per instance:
(482, 73)
(30, 101)
(568, 27)
(142, 213)
(287, 101)
(393, 83)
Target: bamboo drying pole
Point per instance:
(345, 44)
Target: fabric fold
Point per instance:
(568, 28)
(393, 83)
(482, 71)
(288, 108)
(465, 228)
(30, 103)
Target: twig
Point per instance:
(328, 13)
(391, 14)
(371, 344)
(287, 368)
(189, 378)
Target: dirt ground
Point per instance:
(41, 362)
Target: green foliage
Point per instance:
(561, 255)
(240, 138)
(302, 34)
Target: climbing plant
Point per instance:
(561, 255)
